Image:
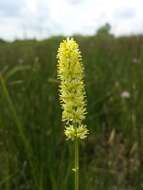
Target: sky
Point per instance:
(43, 18)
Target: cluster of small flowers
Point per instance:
(72, 92)
(72, 132)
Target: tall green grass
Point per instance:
(34, 154)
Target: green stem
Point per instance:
(76, 164)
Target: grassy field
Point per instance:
(34, 154)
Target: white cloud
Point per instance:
(41, 18)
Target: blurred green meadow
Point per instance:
(34, 154)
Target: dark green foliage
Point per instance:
(34, 152)
(104, 30)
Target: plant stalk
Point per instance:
(76, 164)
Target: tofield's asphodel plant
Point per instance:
(72, 96)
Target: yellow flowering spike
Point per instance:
(72, 96)
(70, 73)
(80, 132)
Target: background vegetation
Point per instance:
(33, 152)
